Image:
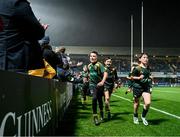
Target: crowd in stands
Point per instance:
(157, 64)
(162, 65)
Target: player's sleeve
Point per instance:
(102, 68)
(88, 68)
(135, 72)
(115, 74)
(86, 75)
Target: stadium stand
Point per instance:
(165, 69)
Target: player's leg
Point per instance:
(82, 94)
(107, 104)
(83, 99)
(106, 94)
(136, 94)
(94, 105)
(136, 106)
(110, 91)
(100, 101)
(147, 101)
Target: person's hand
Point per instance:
(85, 80)
(45, 26)
(79, 64)
(100, 84)
(129, 78)
(115, 85)
(151, 77)
(141, 76)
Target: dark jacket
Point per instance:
(19, 35)
(50, 56)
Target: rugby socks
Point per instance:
(144, 112)
(95, 118)
(107, 106)
(102, 114)
(135, 114)
(108, 115)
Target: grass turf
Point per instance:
(78, 119)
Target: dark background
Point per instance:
(107, 22)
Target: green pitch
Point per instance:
(163, 117)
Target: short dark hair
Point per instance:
(141, 54)
(95, 52)
(107, 58)
(62, 49)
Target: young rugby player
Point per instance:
(141, 87)
(109, 84)
(97, 77)
(130, 81)
(85, 85)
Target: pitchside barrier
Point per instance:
(31, 106)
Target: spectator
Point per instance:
(64, 70)
(48, 54)
(19, 34)
(64, 57)
(44, 41)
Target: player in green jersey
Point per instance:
(97, 77)
(142, 80)
(85, 84)
(129, 80)
(109, 84)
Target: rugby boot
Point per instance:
(135, 120)
(109, 115)
(144, 121)
(102, 116)
(95, 119)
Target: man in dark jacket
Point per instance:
(19, 34)
(48, 54)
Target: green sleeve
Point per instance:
(135, 72)
(102, 68)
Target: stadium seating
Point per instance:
(122, 63)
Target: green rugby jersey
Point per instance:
(146, 81)
(131, 82)
(112, 75)
(84, 74)
(96, 72)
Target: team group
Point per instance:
(100, 80)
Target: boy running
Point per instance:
(130, 81)
(109, 84)
(97, 77)
(85, 85)
(141, 87)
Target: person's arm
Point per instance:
(115, 75)
(26, 21)
(137, 77)
(105, 75)
(136, 74)
(76, 65)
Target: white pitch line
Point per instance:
(153, 108)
